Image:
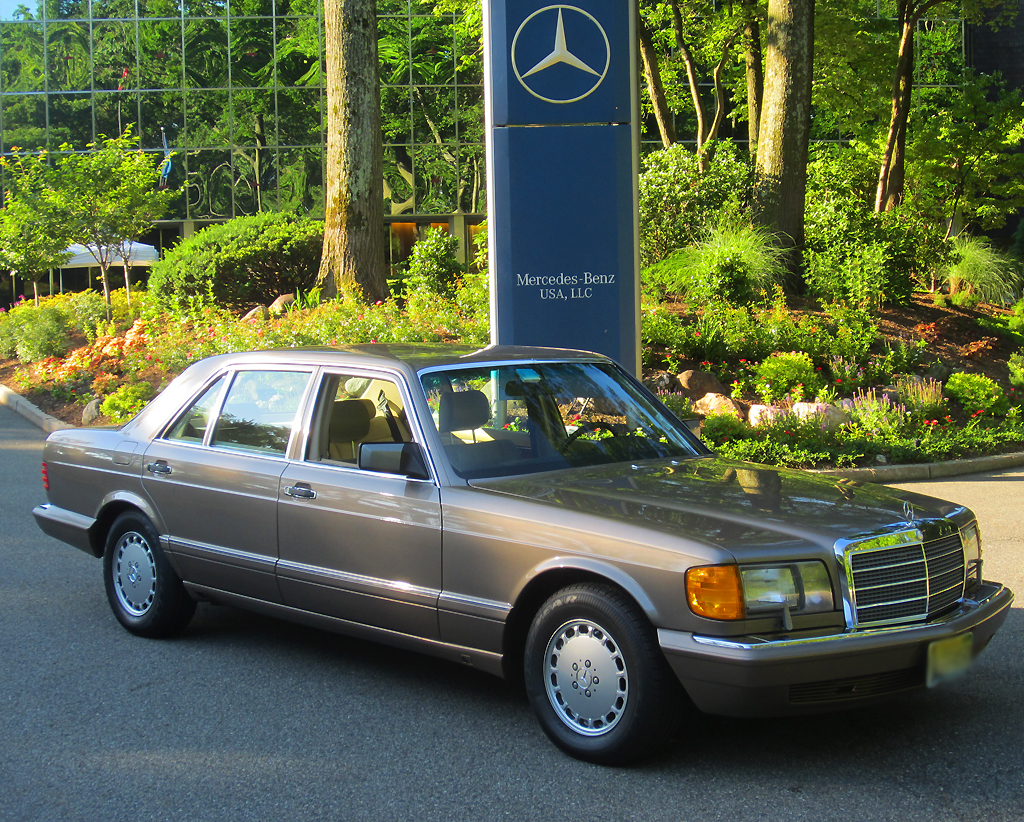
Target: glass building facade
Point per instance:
(233, 91)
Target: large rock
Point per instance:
(661, 381)
(760, 414)
(260, 311)
(281, 303)
(712, 403)
(830, 417)
(91, 412)
(697, 384)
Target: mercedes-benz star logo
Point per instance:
(589, 38)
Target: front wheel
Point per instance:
(144, 593)
(596, 678)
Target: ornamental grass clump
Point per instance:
(922, 397)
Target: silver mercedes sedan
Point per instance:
(531, 512)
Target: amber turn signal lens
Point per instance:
(715, 592)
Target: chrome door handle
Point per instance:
(300, 491)
(158, 467)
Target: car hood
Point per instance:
(725, 502)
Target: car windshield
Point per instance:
(505, 420)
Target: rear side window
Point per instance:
(192, 424)
(259, 411)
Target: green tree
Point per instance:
(33, 235)
(353, 222)
(967, 162)
(108, 197)
(909, 13)
(781, 169)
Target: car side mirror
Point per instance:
(403, 458)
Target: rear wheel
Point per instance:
(596, 678)
(144, 593)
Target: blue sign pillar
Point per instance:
(562, 154)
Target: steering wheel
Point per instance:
(583, 428)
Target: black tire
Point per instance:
(596, 678)
(144, 593)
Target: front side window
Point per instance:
(516, 419)
(354, 409)
(260, 410)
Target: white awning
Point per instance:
(141, 254)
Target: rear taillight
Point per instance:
(46, 479)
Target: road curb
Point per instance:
(927, 470)
(18, 403)
(883, 473)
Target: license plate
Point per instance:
(949, 658)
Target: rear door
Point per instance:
(214, 478)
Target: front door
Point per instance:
(357, 545)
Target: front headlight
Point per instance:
(719, 592)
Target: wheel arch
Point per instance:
(545, 582)
(110, 510)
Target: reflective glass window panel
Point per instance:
(436, 178)
(352, 410)
(114, 111)
(301, 180)
(22, 64)
(254, 117)
(24, 117)
(114, 57)
(205, 8)
(67, 52)
(252, 52)
(207, 119)
(161, 110)
(299, 51)
(160, 55)
(208, 181)
(71, 119)
(299, 122)
(396, 114)
(206, 53)
(399, 177)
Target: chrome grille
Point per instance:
(907, 583)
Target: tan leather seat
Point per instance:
(350, 423)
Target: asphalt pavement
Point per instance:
(247, 718)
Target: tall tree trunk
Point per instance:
(892, 174)
(655, 89)
(781, 167)
(353, 251)
(755, 70)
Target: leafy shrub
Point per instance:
(244, 262)
(979, 273)
(44, 335)
(679, 198)
(126, 402)
(678, 404)
(791, 374)
(857, 276)
(433, 266)
(976, 393)
(728, 263)
(1016, 366)
(720, 428)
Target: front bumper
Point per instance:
(757, 676)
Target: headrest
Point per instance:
(463, 411)
(350, 420)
